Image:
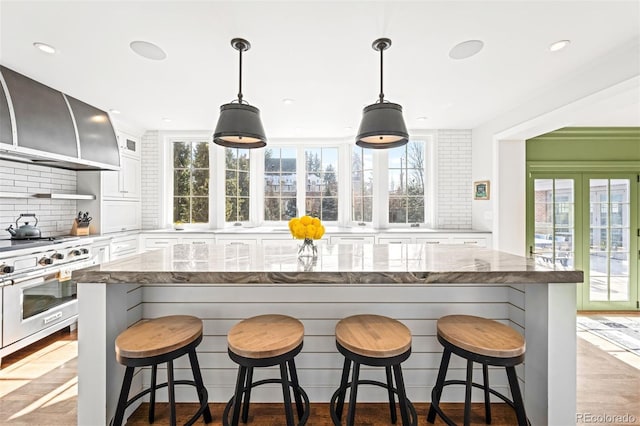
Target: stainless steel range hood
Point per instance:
(41, 125)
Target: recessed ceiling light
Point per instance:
(148, 50)
(114, 111)
(559, 45)
(421, 118)
(466, 49)
(348, 128)
(45, 47)
(166, 119)
(287, 101)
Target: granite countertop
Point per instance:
(340, 264)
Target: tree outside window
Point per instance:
(280, 184)
(362, 184)
(406, 183)
(321, 183)
(191, 182)
(236, 185)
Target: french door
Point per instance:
(589, 221)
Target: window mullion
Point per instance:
(380, 217)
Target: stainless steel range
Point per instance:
(38, 294)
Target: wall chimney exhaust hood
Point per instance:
(41, 125)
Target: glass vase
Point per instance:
(308, 249)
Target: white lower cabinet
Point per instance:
(392, 240)
(155, 240)
(119, 216)
(352, 239)
(432, 241)
(124, 246)
(153, 243)
(101, 252)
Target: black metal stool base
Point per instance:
(509, 363)
(305, 398)
(242, 396)
(334, 397)
(153, 362)
(204, 404)
(436, 405)
(407, 410)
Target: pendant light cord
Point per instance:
(381, 74)
(240, 77)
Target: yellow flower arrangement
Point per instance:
(306, 227)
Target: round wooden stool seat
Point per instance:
(373, 336)
(157, 341)
(481, 336)
(158, 336)
(265, 336)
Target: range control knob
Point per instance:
(6, 269)
(45, 261)
(84, 251)
(75, 253)
(57, 256)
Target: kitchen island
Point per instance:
(415, 284)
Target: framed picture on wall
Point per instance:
(481, 190)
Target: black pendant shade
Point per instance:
(239, 124)
(382, 124)
(382, 127)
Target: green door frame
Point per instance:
(584, 293)
(581, 172)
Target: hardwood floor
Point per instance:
(38, 386)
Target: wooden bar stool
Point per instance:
(484, 341)
(155, 341)
(376, 341)
(265, 341)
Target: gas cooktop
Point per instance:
(15, 244)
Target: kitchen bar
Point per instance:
(416, 284)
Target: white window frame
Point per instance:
(380, 216)
(166, 196)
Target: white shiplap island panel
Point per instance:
(415, 284)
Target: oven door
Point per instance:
(33, 304)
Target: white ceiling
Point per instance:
(315, 52)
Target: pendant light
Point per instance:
(382, 125)
(239, 124)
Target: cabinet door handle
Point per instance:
(432, 242)
(198, 242)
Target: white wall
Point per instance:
(612, 80)
(55, 217)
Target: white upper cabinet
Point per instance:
(125, 183)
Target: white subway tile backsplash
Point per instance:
(27, 178)
(454, 179)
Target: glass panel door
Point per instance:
(611, 267)
(554, 222)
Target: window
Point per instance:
(321, 181)
(191, 182)
(280, 184)
(407, 183)
(362, 184)
(236, 185)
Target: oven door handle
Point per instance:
(30, 277)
